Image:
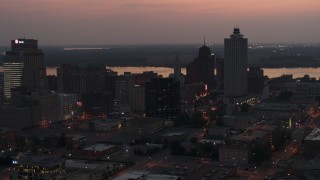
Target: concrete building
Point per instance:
(138, 99)
(23, 66)
(233, 154)
(49, 107)
(192, 92)
(251, 137)
(143, 126)
(202, 68)
(144, 77)
(81, 78)
(312, 144)
(36, 167)
(282, 111)
(235, 65)
(239, 121)
(162, 98)
(99, 150)
(7, 138)
(255, 80)
(20, 117)
(145, 175)
(219, 74)
(302, 88)
(97, 104)
(219, 132)
(67, 106)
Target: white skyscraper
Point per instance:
(235, 65)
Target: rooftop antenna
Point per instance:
(204, 40)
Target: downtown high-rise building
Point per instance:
(162, 98)
(201, 70)
(23, 67)
(235, 65)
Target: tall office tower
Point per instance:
(235, 65)
(123, 88)
(178, 76)
(138, 99)
(255, 80)
(23, 67)
(81, 79)
(202, 68)
(177, 68)
(162, 98)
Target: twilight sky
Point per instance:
(59, 22)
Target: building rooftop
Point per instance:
(314, 135)
(99, 147)
(169, 134)
(249, 136)
(145, 175)
(277, 106)
(41, 161)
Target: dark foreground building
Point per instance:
(162, 98)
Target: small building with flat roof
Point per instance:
(312, 144)
(34, 167)
(99, 150)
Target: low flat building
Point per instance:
(234, 154)
(312, 144)
(219, 132)
(239, 121)
(300, 167)
(39, 167)
(143, 126)
(99, 150)
(250, 137)
(279, 111)
(7, 138)
(145, 175)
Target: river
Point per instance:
(165, 71)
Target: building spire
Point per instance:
(204, 40)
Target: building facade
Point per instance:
(202, 68)
(162, 98)
(235, 65)
(23, 67)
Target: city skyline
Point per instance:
(166, 22)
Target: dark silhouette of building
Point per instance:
(202, 68)
(110, 78)
(24, 67)
(255, 80)
(162, 98)
(81, 78)
(144, 77)
(52, 83)
(97, 103)
(219, 73)
(235, 65)
(177, 75)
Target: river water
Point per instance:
(165, 71)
